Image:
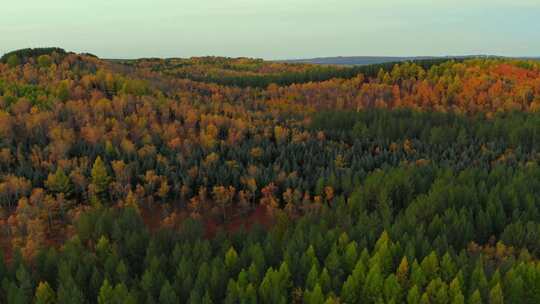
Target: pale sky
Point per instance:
(274, 29)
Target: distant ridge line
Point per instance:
(367, 60)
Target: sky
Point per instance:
(274, 29)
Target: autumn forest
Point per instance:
(238, 180)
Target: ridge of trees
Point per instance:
(23, 54)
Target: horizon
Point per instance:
(279, 30)
(2, 52)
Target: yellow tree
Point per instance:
(223, 197)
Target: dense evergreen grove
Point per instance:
(215, 180)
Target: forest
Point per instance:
(238, 180)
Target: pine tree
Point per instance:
(233, 292)
(514, 287)
(351, 256)
(24, 280)
(413, 297)
(383, 253)
(392, 289)
(496, 295)
(122, 295)
(478, 279)
(314, 297)
(437, 291)
(475, 298)
(99, 182)
(374, 285)
(349, 291)
(59, 182)
(44, 294)
(402, 272)
(418, 277)
(430, 266)
(207, 299)
(448, 269)
(424, 299)
(454, 292)
(333, 262)
(106, 293)
(312, 278)
(69, 292)
(325, 282)
(231, 261)
(167, 294)
(249, 296)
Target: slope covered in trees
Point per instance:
(211, 180)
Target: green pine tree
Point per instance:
(231, 261)
(475, 298)
(167, 294)
(99, 181)
(496, 295)
(413, 297)
(374, 285)
(59, 183)
(314, 297)
(44, 294)
(106, 293)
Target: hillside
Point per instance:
(355, 60)
(238, 180)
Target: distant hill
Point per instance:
(367, 60)
(354, 60)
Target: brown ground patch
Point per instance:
(257, 216)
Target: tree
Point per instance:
(351, 256)
(475, 298)
(231, 261)
(448, 269)
(233, 292)
(373, 287)
(478, 280)
(454, 292)
(349, 291)
(418, 277)
(13, 61)
(100, 181)
(496, 295)
(325, 281)
(106, 293)
(122, 295)
(392, 289)
(314, 297)
(44, 294)
(514, 287)
(70, 293)
(274, 288)
(207, 299)
(268, 198)
(59, 182)
(24, 280)
(44, 61)
(430, 266)
(249, 296)
(402, 272)
(312, 277)
(223, 197)
(437, 290)
(167, 294)
(414, 295)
